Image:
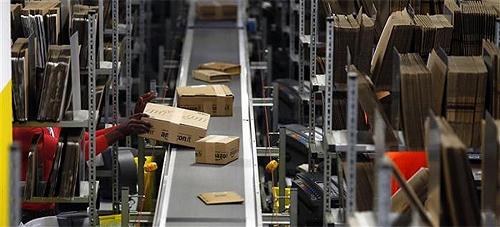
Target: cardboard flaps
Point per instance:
(205, 90)
(209, 75)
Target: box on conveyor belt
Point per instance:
(212, 198)
(175, 125)
(216, 10)
(211, 76)
(216, 100)
(232, 69)
(215, 149)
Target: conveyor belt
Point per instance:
(186, 179)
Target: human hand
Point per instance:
(134, 125)
(143, 100)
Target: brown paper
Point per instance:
(212, 198)
(232, 69)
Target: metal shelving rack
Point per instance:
(88, 121)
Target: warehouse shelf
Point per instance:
(84, 199)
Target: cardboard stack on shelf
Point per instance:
(465, 97)
(416, 98)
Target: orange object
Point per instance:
(272, 166)
(150, 167)
(408, 162)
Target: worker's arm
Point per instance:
(133, 126)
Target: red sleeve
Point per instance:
(101, 145)
(99, 132)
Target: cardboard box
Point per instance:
(217, 10)
(216, 100)
(232, 69)
(212, 198)
(175, 125)
(217, 149)
(211, 76)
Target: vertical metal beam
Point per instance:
(352, 113)
(114, 163)
(161, 69)
(15, 184)
(434, 156)
(140, 167)
(327, 121)
(302, 21)
(275, 108)
(101, 31)
(94, 218)
(128, 65)
(142, 43)
(282, 169)
(125, 214)
(328, 125)
(382, 198)
(294, 200)
(312, 67)
(291, 38)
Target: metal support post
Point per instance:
(128, 65)
(142, 43)
(294, 200)
(114, 155)
(384, 172)
(101, 32)
(15, 184)
(282, 169)
(125, 213)
(302, 21)
(291, 39)
(161, 69)
(140, 167)
(352, 128)
(327, 121)
(94, 218)
(275, 108)
(269, 68)
(312, 66)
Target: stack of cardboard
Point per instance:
(436, 63)
(472, 22)
(491, 56)
(416, 98)
(465, 97)
(21, 79)
(457, 186)
(54, 92)
(432, 32)
(42, 20)
(15, 22)
(80, 25)
(355, 35)
(398, 33)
